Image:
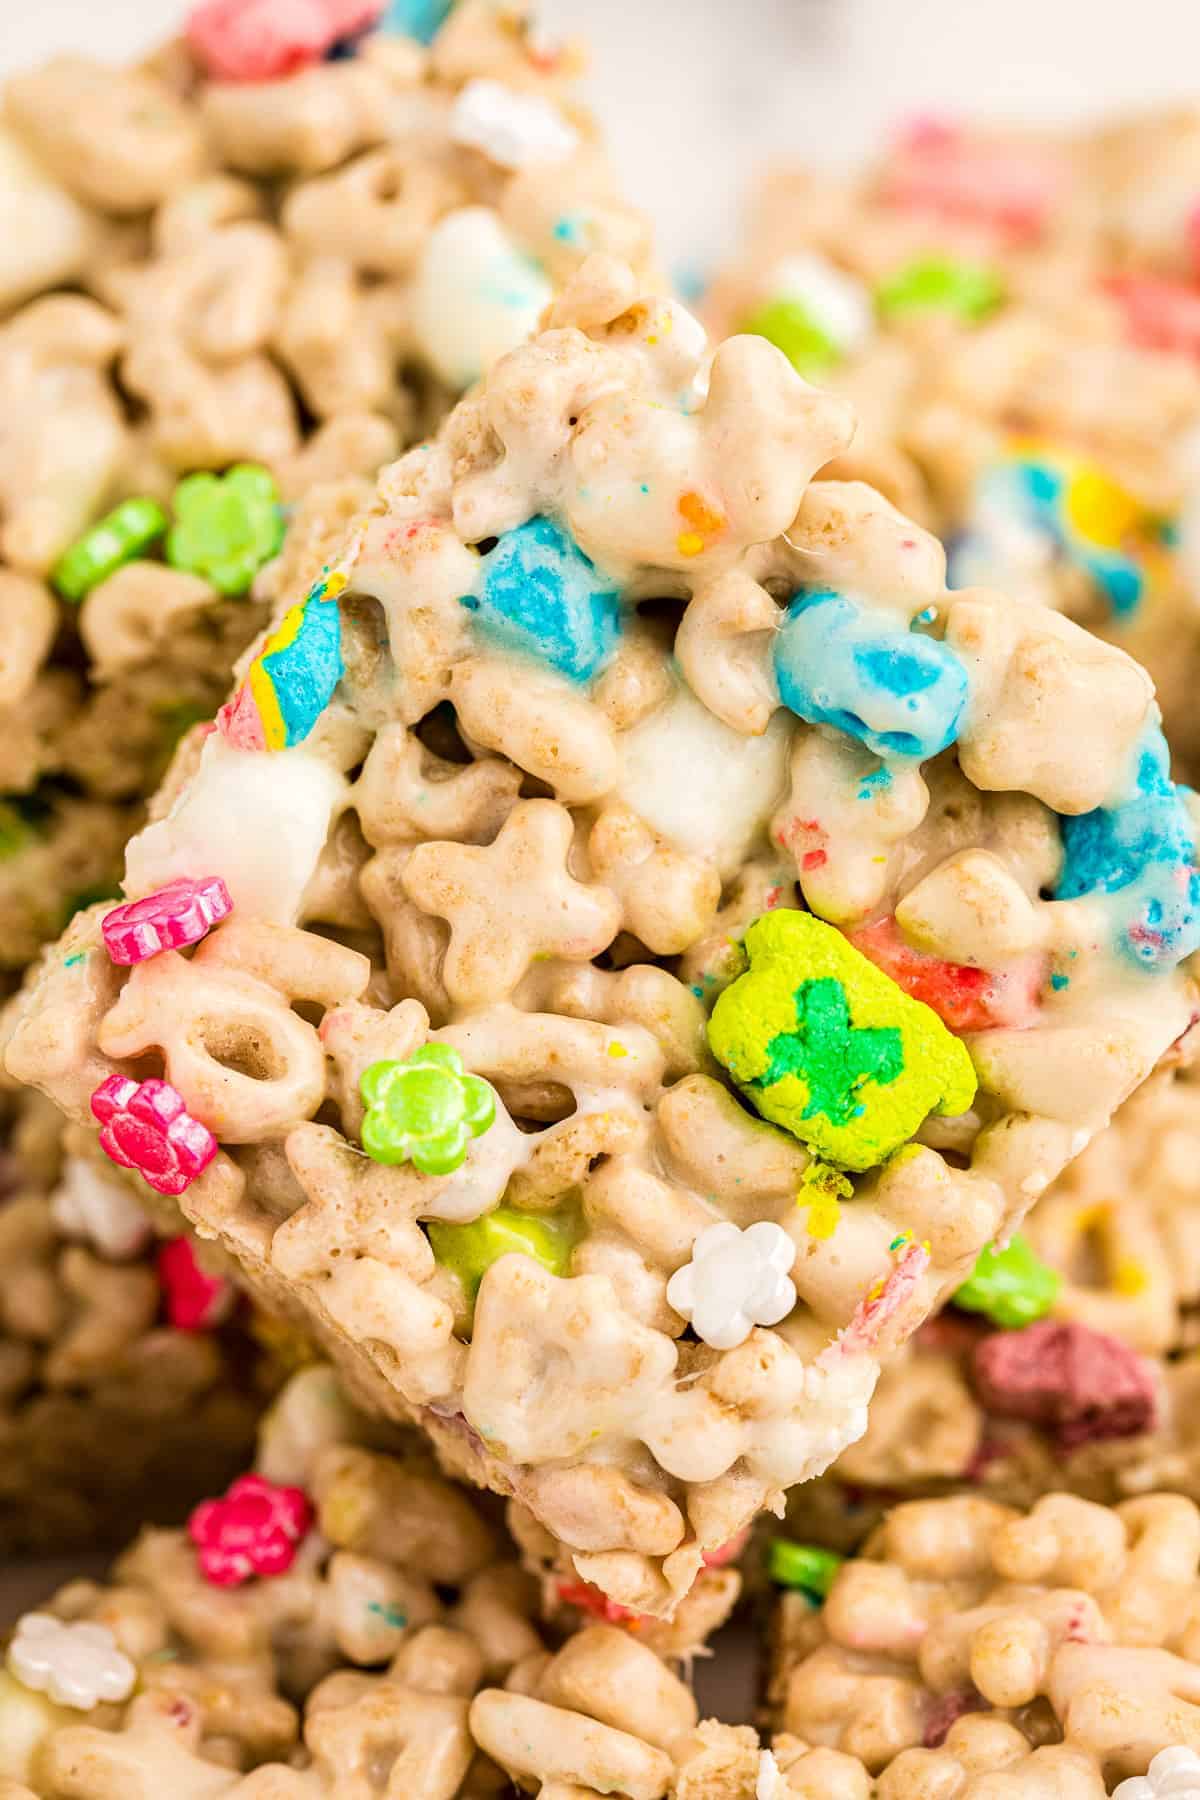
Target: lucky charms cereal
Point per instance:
(618, 763)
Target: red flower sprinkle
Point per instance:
(254, 1530)
(181, 913)
(194, 1301)
(146, 1126)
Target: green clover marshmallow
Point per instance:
(424, 1110)
(828, 1046)
(226, 526)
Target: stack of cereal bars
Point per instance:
(601, 944)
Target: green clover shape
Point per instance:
(226, 526)
(424, 1110)
(1012, 1287)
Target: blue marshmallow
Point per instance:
(539, 594)
(843, 664)
(420, 19)
(1143, 850)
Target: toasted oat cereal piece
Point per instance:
(954, 809)
(975, 1649)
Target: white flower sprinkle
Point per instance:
(1174, 1774)
(735, 1280)
(76, 1664)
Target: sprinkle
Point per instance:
(123, 534)
(617, 1050)
(389, 1612)
(804, 1566)
(733, 1281)
(146, 1126)
(424, 1110)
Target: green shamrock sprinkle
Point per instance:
(424, 1110)
(940, 284)
(790, 326)
(825, 1044)
(804, 1566)
(470, 1250)
(226, 526)
(1012, 1287)
(123, 534)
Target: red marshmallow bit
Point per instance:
(1159, 314)
(590, 1599)
(1080, 1384)
(1009, 189)
(261, 40)
(964, 998)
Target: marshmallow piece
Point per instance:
(258, 821)
(91, 1205)
(514, 130)
(707, 790)
(475, 295)
(839, 304)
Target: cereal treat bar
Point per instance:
(341, 1622)
(130, 1380)
(978, 1652)
(1026, 377)
(756, 929)
(260, 263)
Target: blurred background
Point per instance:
(695, 93)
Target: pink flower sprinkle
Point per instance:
(194, 1301)
(254, 1530)
(181, 913)
(144, 1125)
(261, 40)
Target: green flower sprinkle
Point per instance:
(226, 526)
(424, 1110)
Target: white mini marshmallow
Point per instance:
(837, 303)
(99, 1209)
(475, 295)
(735, 1281)
(76, 1664)
(514, 130)
(708, 790)
(769, 1785)
(256, 818)
(1174, 1774)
